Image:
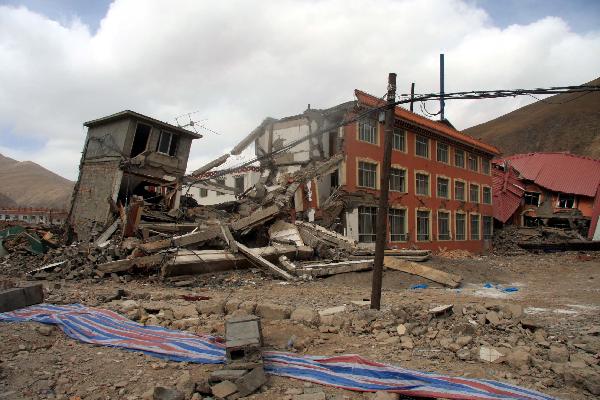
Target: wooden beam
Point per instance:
(127, 264)
(257, 259)
(424, 271)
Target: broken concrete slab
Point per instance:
(224, 389)
(257, 259)
(332, 310)
(323, 234)
(286, 233)
(181, 240)
(15, 298)
(221, 375)
(154, 260)
(424, 271)
(258, 217)
(251, 382)
(213, 164)
(328, 269)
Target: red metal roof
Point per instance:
(372, 101)
(507, 191)
(559, 172)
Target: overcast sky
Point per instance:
(233, 63)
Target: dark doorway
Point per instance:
(140, 140)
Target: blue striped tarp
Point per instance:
(352, 372)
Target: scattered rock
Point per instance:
(209, 307)
(164, 393)
(489, 354)
(493, 318)
(518, 358)
(381, 395)
(224, 389)
(305, 314)
(401, 329)
(272, 311)
(558, 353)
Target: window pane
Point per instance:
(173, 146)
(459, 190)
(474, 227)
(367, 221)
(367, 131)
(488, 227)
(422, 184)
(474, 193)
(422, 146)
(485, 166)
(399, 140)
(459, 158)
(442, 188)
(397, 221)
(239, 184)
(397, 180)
(442, 152)
(473, 163)
(423, 225)
(164, 142)
(487, 195)
(367, 174)
(443, 225)
(460, 227)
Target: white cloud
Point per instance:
(240, 61)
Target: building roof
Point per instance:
(559, 172)
(132, 114)
(507, 191)
(426, 123)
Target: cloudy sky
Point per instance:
(232, 63)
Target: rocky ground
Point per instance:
(542, 336)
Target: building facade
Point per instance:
(241, 180)
(440, 183)
(34, 215)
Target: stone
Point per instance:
(251, 382)
(462, 341)
(558, 353)
(185, 384)
(381, 395)
(441, 310)
(248, 306)
(128, 305)
(181, 312)
(332, 311)
(226, 375)
(311, 396)
(406, 342)
(531, 324)
(518, 358)
(272, 311)
(401, 329)
(15, 298)
(463, 354)
(381, 336)
(224, 389)
(163, 393)
(45, 330)
(305, 314)
(293, 391)
(232, 305)
(210, 307)
(592, 383)
(492, 317)
(540, 336)
(515, 311)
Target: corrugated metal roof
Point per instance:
(440, 127)
(507, 191)
(559, 172)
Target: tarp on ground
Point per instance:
(352, 372)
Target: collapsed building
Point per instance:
(440, 184)
(127, 154)
(556, 190)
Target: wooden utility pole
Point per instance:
(384, 186)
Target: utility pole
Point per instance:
(442, 102)
(384, 187)
(412, 95)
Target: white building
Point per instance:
(240, 180)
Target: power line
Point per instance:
(468, 95)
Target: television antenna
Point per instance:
(186, 121)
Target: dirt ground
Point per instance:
(560, 292)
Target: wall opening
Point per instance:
(140, 140)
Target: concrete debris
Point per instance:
(13, 299)
(447, 279)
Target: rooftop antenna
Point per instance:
(192, 124)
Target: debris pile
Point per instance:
(514, 240)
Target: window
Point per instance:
(367, 131)
(220, 181)
(238, 184)
(473, 162)
(566, 200)
(367, 220)
(485, 166)
(203, 192)
(167, 143)
(334, 179)
(459, 190)
(532, 198)
(474, 193)
(422, 184)
(487, 195)
(421, 146)
(488, 227)
(443, 188)
(140, 139)
(443, 152)
(459, 158)
(443, 225)
(397, 221)
(367, 174)
(474, 227)
(423, 225)
(398, 180)
(399, 139)
(461, 227)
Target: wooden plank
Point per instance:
(126, 265)
(424, 271)
(259, 260)
(256, 218)
(180, 241)
(13, 299)
(133, 217)
(102, 240)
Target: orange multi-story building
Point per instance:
(440, 183)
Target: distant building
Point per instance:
(34, 215)
(240, 180)
(127, 154)
(440, 183)
(549, 189)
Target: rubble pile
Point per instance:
(511, 240)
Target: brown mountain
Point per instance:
(27, 184)
(563, 122)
